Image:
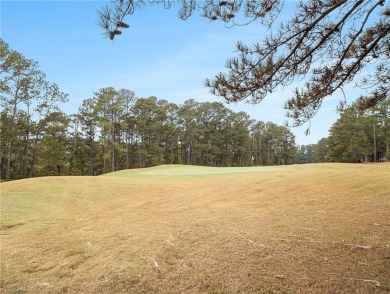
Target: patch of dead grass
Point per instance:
(311, 229)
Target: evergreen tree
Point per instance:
(321, 150)
(24, 92)
(360, 135)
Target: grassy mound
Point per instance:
(185, 171)
(320, 228)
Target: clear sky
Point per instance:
(159, 55)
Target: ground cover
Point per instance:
(318, 228)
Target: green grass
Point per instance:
(319, 228)
(184, 171)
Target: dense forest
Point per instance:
(116, 130)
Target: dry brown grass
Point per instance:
(306, 229)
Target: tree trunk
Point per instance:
(38, 130)
(127, 151)
(25, 156)
(260, 159)
(9, 151)
(8, 164)
(375, 159)
(91, 159)
(26, 146)
(75, 151)
(112, 148)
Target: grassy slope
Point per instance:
(174, 229)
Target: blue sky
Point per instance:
(159, 55)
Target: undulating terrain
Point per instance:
(316, 228)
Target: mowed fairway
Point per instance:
(320, 228)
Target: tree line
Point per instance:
(357, 136)
(116, 130)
